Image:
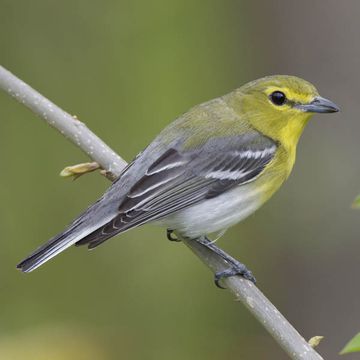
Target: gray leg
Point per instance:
(236, 267)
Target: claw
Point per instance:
(236, 267)
(217, 279)
(239, 269)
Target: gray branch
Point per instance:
(266, 313)
(68, 125)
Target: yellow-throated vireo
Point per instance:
(206, 171)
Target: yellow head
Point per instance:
(279, 106)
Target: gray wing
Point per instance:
(179, 179)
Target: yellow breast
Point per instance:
(277, 171)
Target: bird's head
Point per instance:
(280, 105)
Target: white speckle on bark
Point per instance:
(250, 301)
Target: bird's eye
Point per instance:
(278, 98)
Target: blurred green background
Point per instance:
(127, 68)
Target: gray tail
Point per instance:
(45, 252)
(74, 233)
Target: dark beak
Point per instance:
(319, 105)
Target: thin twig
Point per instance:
(69, 126)
(266, 313)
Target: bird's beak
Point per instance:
(319, 105)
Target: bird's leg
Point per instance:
(236, 267)
(170, 235)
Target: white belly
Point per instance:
(215, 214)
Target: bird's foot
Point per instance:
(235, 269)
(170, 235)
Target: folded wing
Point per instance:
(182, 178)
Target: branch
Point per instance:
(69, 126)
(266, 313)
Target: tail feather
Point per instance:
(100, 213)
(115, 226)
(74, 233)
(47, 251)
(95, 238)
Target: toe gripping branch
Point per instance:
(236, 267)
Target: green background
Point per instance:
(127, 68)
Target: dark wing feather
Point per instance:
(179, 179)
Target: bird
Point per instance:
(206, 171)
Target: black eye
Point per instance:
(278, 98)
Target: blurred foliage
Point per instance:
(55, 343)
(127, 68)
(352, 346)
(356, 202)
